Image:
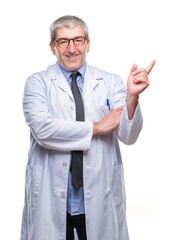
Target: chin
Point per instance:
(74, 67)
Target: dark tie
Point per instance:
(77, 156)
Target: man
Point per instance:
(76, 114)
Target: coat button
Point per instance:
(64, 164)
(62, 194)
(72, 108)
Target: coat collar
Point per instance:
(92, 78)
(56, 75)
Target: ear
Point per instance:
(51, 44)
(88, 44)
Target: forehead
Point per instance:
(65, 32)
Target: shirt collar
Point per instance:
(81, 70)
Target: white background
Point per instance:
(122, 33)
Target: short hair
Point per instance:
(68, 21)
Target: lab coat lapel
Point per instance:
(61, 82)
(91, 80)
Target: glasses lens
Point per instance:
(79, 41)
(63, 42)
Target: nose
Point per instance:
(71, 47)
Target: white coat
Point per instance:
(50, 113)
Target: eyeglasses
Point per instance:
(65, 42)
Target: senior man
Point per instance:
(76, 114)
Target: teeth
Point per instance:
(71, 56)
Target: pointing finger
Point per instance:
(149, 68)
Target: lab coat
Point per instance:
(49, 111)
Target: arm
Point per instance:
(131, 119)
(127, 123)
(108, 123)
(50, 132)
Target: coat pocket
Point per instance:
(32, 185)
(118, 185)
(103, 111)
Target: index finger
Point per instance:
(149, 68)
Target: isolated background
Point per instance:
(122, 33)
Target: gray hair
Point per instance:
(67, 21)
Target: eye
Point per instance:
(79, 41)
(63, 42)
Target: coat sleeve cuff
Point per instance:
(128, 130)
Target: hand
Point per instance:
(137, 82)
(138, 79)
(108, 123)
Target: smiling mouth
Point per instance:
(71, 56)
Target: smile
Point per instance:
(71, 56)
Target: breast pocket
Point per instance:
(102, 111)
(96, 113)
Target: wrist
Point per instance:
(132, 102)
(95, 128)
(132, 99)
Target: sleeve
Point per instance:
(50, 132)
(128, 130)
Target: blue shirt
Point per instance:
(75, 198)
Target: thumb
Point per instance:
(134, 67)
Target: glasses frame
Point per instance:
(69, 39)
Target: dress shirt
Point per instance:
(75, 198)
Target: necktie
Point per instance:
(77, 156)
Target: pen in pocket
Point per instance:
(108, 104)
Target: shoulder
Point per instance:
(44, 75)
(107, 76)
